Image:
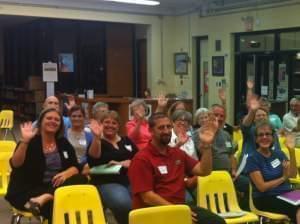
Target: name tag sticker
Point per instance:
(128, 147)
(275, 163)
(163, 169)
(228, 144)
(66, 155)
(82, 142)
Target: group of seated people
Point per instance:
(160, 157)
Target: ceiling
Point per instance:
(167, 7)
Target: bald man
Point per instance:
(53, 102)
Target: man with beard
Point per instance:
(157, 173)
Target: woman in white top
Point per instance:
(181, 135)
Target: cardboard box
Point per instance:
(35, 96)
(35, 83)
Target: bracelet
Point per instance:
(24, 142)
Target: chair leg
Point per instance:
(5, 134)
(13, 134)
(13, 218)
(19, 217)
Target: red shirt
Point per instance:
(163, 174)
(143, 137)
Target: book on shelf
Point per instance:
(106, 169)
(292, 197)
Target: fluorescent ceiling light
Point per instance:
(137, 2)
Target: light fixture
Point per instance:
(298, 56)
(137, 2)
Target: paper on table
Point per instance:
(232, 214)
(106, 169)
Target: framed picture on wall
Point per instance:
(181, 63)
(218, 65)
(65, 62)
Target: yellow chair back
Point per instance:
(216, 193)
(7, 146)
(7, 119)
(78, 202)
(173, 214)
(237, 136)
(4, 174)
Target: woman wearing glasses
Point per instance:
(269, 171)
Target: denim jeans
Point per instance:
(117, 198)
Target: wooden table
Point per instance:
(121, 105)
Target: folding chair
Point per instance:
(78, 204)
(216, 193)
(7, 122)
(173, 214)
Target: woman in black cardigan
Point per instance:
(43, 160)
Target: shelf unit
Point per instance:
(25, 103)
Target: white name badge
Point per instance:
(128, 147)
(82, 142)
(163, 169)
(66, 154)
(275, 163)
(228, 144)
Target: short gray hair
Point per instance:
(96, 107)
(136, 103)
(182, 114)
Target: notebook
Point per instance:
(292, 197)
(226, 215)
(106, 169)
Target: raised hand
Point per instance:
(253, 103)
(27, 131)
(250, 84)
(208, 130)
(290, 141)
(71, 102)
(286, 169)
(182, 138)
(96, 128)
(222, 95)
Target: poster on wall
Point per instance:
(283, 84)
(66, 62)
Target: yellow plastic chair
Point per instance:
(263, 214)
(237, 136)
(78, 204)
(4, 174)
(173, 214)
(7, 122)
(18, 215)
(216, 193)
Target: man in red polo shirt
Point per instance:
(157, 173)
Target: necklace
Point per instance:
(48, 148)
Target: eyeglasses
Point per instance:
(267, 134)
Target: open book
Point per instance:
(226, 215)
(106, 169)
(292, 197)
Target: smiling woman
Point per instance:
(269, 171)
(43, 161)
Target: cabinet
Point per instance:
(25, 103)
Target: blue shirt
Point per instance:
(270, 168)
